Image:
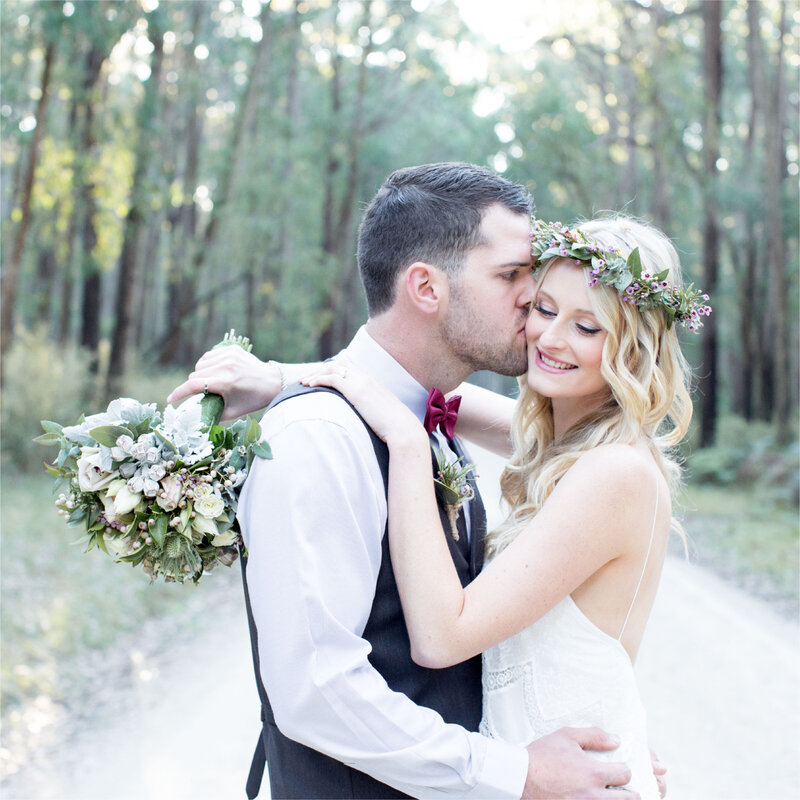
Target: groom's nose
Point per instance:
(525, 298)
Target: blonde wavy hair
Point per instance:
(646, 372)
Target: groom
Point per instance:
(444, 254)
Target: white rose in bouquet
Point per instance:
(91, 476)
(207, 502)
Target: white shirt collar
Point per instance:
(368, 355)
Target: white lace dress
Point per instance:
(563, 671)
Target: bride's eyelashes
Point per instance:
(549, 314)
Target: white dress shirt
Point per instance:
(313, 519)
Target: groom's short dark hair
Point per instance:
(429, 213)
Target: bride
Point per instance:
(562, 602)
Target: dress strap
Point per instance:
(644, 566)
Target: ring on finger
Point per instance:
(205, 388)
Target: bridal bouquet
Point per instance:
(156, 490)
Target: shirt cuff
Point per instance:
(505, 769)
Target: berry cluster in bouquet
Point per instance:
(156, 490)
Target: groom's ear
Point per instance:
(425, 286)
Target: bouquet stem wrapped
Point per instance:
(156, 491)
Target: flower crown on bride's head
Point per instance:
(635, 285)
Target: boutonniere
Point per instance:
(453, 486)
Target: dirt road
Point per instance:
(719, 672)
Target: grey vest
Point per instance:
(297, 771)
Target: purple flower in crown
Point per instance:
(645, 291)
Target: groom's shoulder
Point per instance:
(310, 407)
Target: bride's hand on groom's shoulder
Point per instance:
(246, 383)
(388, 417)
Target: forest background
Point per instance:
(174, 169)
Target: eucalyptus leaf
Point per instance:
(47, 439)
(262, 450)
(186, 517)
(448, 495)
(166, 440)
(551, 252)
(223, 524)
(134, 558)
(51, 427)
(217, 435)
(107, 435)
(623, 281)
(252, 433)
(159, 530)
(76, 516)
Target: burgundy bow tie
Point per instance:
(441, 412)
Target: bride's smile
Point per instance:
(565, 344)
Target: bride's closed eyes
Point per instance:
(549, 314)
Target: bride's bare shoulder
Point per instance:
(614, 469)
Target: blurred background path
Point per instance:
(719, 672)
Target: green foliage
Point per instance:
(42, 381)
(252, 216)
(747, 535)
(750, 454)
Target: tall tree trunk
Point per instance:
(712, 63)
(292, 108)
(286, 224)
(91, 276)
(180, 280)
(146, 301)
(659, 203)
(128, 263)
(332, 160)
(630, 187)
(778, 284)
(227, 183)
(751, 306)
(45, 276)
(12, 267)
(333, 335)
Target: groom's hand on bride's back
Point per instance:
(559, 768)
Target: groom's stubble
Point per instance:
(473, 337)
